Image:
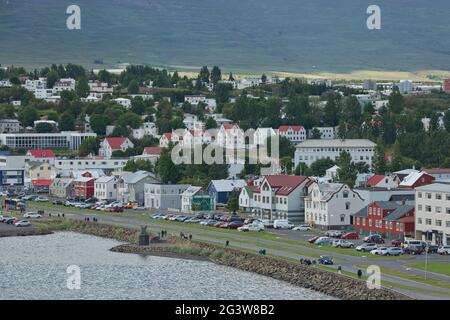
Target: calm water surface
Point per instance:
(36, 268)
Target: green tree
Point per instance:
(216, 75)
(316, 134)
(302, 169)
(27, 116)
(210, 123)
(379, 163)
(347, 171)
(320, 166)
(67, 122)
(98, 123)
(133, 87)
(52, 77)
(82, 87)
(204, 74)
(88, 146)
(233, 203)
(44, 127)
(167, 171)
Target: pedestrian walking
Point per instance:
(190, 237)
(63, 215)
(339, 269)
(227, 243)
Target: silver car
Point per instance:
(341, 243)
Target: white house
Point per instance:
(123, 102)
(438, 173)
(281, 197)
(164, 196)
(361, 150)
(246, 199)
(32, 85)
(432, 213)
(5, 83)
(9, 125)
(105, 188)
(109, 145)
(330, 205)
(67, 84)
(262, 134)
(131, 185)
(186, 198)
(389, 181)
(294, 133)
(147, 129)
(98, 89)
(326, 133)
(230, 136)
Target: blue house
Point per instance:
(220, 190)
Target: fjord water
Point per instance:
(249, 35)
(35, 267)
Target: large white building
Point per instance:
(62, 140)
(164, 196)
(294, 133)
(432, 213)
(9, 125)
(330, 205)
(105, 188)
(361, 150)
(91, 163)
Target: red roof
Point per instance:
(374, 180)
(407, 219)
(41, 183)
(286, 128)
(115, 143)
(168, 135)
(41, 153)
(156, 151)
(284, 183)
(437, 171)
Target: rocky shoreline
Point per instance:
(309, 277)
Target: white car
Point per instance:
(22, 223)
(302, 227)
(444, 250)
(382, 251)
(282, 224)
(32, 215)
(252, 227)
(41, 199)
(394, 251)
(341, 243)
(3, 194)
(366, 247)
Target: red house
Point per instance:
(387, 218)
(416, 179)
(83, 187)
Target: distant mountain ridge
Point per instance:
(247, 35)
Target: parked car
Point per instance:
(192, 220)
(267, 223)
(114, 209)
(205, 222)
(382, 251)
(211, 223)
(334, 233)
(58, 203)
(3, 194)
(282, 224)
(3, 218)
(32, 215)
(252, 227)
(41, 199)
(323, 241)
(396, 242)
(302, 227)
(154, 216)
(325, 260)
(22, 223)
(413, 249)
(374, 238)
(235, 224)
(431, 248)
(444, 250)
(394, 251)
(342, 243)
(219, 224)
(10, 220)
(313, 239)
(172, 217)
(181, 218)
(29, 197)
(350, 235)
(366, 247)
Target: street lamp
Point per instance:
(426, 252)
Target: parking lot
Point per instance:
(7, 230)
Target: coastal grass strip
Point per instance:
(436, 267)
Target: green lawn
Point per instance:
(437, 267)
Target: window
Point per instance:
(347, 205)
(438, 223)
(428, 208)
(342, 217)
(438, 209)
(419, 195)
(345, 193)
(419, 207)
(438, 196)
(428, 222)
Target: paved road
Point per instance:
(347, 262)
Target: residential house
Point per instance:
(416, 179)
(390, 219)
(330, 205)
(262, 134)
(246, 199)
(388, 181)
(9, 125)
(295, 134)
(130, 186)
(432, 219)
(124, 102)
(281, 197)
(147, 129)
(361, 150)
(83, 187)
(186, 198)
(109, 145)
(61, 188)
(98, 89)
(105, 188)
(164, 196)
(42, 155)
(231, 136)
(326, 133)
(221, 190)
(438, 173)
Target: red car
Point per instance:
(350, 235)
(235, 225)
(313, 239)
(220, 224)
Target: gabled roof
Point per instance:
(412, 178)
(105, 179)
(41, 153)
(153, 151)
(115, 143)
(375, 179)
(284, 183)
(286, 128)
(228, 185)
(437, 171)
(190, 191)
(398, 213)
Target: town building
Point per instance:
(416, 179)
(221, 190)
(388, 181)
(432, 219)
(389, 219)
(124, 102)
(42, 155)
(98, 89)
(109, 145)
(62, 140)
(295, 134)
(186, 198)
(91, 163)
(105, 188)
(246, 199)
(83, 187)
(164, 196)
(405, 86)
(438, 173)
(9, 125)
(61, 188)
(281, 197)
(361, 150)
(12, 179)
(330, 205)
(230, 136)
(147, 129)
(326, 133)
(130, 186)
(262, 134)
(447, 85)
(61, 85)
